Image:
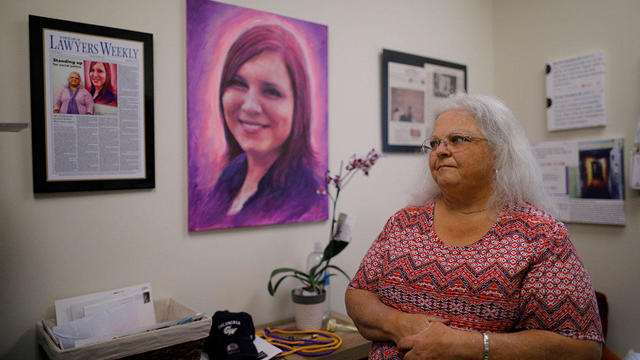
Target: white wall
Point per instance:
(61, 245)
(527, 34)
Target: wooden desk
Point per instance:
(354, 346)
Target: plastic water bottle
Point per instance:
(315, 256)
(313, 259)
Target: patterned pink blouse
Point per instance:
(523, 274)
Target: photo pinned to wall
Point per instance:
(411, 85)
(586, 179)
(91, 107)
(257, 117)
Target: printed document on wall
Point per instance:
(585, 178)
(576, 92)
(102, 138)
(406, 104)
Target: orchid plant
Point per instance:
(314, 279)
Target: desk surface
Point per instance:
(353, 346)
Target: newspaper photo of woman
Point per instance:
(73, 98)
(102, 86)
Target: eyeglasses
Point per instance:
(452, 141)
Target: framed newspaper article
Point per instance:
(411, 85)
(91, 107)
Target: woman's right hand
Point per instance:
(379, 322)
(410, 324)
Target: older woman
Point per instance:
(479, 270)
(265, 102)
(73, 98)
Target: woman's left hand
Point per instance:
(439, 341)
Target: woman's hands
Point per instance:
(378, 322)
(421, 336)
(439, 341)
(408, 325)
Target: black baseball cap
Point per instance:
(231, 337)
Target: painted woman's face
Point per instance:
(258, 105)
(98, 75)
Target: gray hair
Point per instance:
(80, 76)
(518, 177)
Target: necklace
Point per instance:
(461, 211)
(469, 212)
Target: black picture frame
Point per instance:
(414, 62)
(41, 115)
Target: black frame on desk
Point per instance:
(390, 56)
(41, 116)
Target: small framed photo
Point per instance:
(91, 107)
(411, 85)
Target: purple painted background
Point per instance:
(211, 29)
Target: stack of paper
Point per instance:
(102, 316)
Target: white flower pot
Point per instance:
(308, 309)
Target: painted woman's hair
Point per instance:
(296, 150)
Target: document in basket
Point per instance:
(80, 306)
(103, 314)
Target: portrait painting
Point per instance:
(257, 117)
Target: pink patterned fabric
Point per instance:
(523, 274)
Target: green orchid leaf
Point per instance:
(290, 272)
(272, 288)
(322, 270)
(342, 271)
(283, 270)
(314, 279)
(313, 272)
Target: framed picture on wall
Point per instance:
(91, 107)
(257, 110)
(411, 85)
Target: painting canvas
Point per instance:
(257, 117)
